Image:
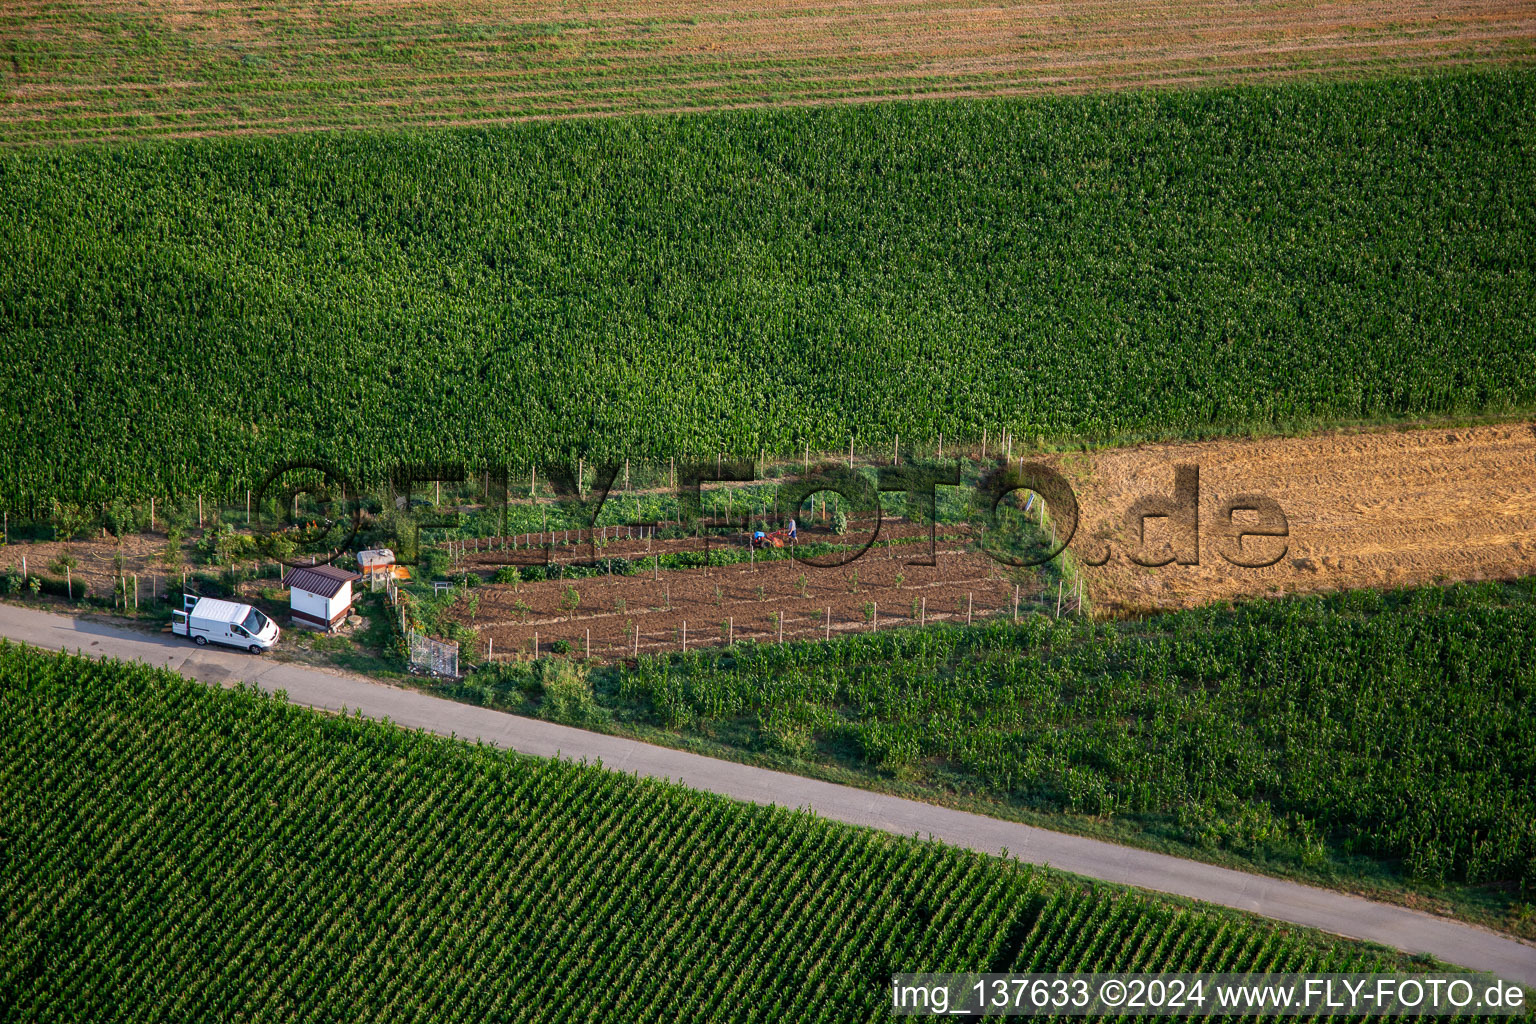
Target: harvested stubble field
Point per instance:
(77, 70)
(1365, 509)
(746, 601)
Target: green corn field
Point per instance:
(1109, 267)
(177, 851)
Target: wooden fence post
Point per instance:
(968, 609)
(827, 621)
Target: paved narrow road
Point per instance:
(1329, 911)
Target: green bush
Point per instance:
(567, 693)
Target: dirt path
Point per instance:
(1370, 509)
(1405, 929)
(83, 70)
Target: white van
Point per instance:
(208, 620)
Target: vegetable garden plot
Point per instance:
(767, 602)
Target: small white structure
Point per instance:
(376, 560)
(320, 595)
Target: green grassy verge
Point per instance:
(179, 317)
(179, 850)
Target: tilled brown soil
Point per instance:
(747, 602)
(1365, 509)
(115, 69)
(100, 561)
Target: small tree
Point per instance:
(570, 600)
(68, 521)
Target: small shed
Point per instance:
(320, 595)
(377, 563)
(375, 560)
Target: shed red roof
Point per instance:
(324, 580)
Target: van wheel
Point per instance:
(255, 648)
(202, 641)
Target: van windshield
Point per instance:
(255, 622)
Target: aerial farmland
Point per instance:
(780, 512)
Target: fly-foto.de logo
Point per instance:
(319, 511)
